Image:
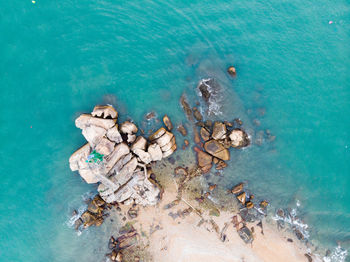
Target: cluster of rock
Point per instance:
(94, 215)
(123, 172)
(244, 198)
(128, 237)
(218, 138)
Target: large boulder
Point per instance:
(164, 139)
(140, 143)
(169, 145)
(86, 120)
(204, 161)
(114, 135)
(126, 172)
(170, 151)
(161, 131)
(107, 111)
(78, 158)
(93, 134)
(145, 157)
(239, 138)
(128, 128)
(214, 148)
(119, 151)
(105, 146)
(155, 151)
(219, 131)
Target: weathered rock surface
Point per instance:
(231, 71)
(167, 122)
(157, 134)
(121, 171)
(86, 120)
(219, 131)
(214, 148)
(164, 139)
(105, 146)
(114, 135)
(140, 143)
(204, 161)
(205, 134)
(128, 128)
(107, 111)
(155, 151)
(239, 138)
(145, 157)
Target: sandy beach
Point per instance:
(183, 239)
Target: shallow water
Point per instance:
(58, 59)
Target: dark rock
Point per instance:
(290, 240)
(197, 114)
(182, 130)
(204, 89)
(309, 258)
(238, 122)
(298, 233)
(132, 213)
(186, 107)
(150, 115)
(246, 235)
(214, 148)
(200, 124)
(208, 124)
(78, 223)
(171, 160)
(89, 219)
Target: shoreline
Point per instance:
(185, 238)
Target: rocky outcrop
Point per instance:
(214, 148)
(239, 138)
(117, 159)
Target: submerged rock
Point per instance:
(214, 148)
(186, 107)
(204, 161)
(197, 114)
(182, 130)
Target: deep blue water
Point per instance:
(59, 59)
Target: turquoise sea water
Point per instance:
(59, 59)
